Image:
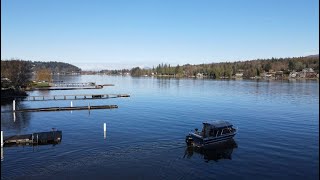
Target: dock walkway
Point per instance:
(67, 108)
(40, 138)
(70, 97)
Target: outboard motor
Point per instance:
(189, 140)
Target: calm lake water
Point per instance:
(278, 135)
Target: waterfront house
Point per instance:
(279, 75)
(293, 74)
(239, 73)
(199, 75)
(307, 73)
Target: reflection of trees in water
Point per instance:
(163, 82)
(9, 122)
(214, 152)
(43, 93)
(67, 78)
(166, 82)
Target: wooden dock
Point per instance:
(64, 88)
(70, 97)
(88, 84)
(61, 84)
(67, 108)
(40, 138)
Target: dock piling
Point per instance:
(14, 105)
(1, 138)
(71, 104)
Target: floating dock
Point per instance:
(67, 108)
(88, 84)
(40, 138)
(71, 86)
(64, 88)
(70, 97)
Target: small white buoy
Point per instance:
(14, 105)
(105, 130)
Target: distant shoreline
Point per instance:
(176, 77)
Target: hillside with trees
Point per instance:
(56, 67)
(251, 68)
(17, 73)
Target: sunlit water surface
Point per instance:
(278, 137)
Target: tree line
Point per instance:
(250, 68)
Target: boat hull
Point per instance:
(199, 141)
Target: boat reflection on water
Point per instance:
(214, 152)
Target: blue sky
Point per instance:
(114, 34)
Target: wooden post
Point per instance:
(1, 138)
(64, 97)
(14, 105)
(43, 98)
(89, 106)
(71, 104)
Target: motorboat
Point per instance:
(212, 133)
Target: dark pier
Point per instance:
(67, 108)
(70, 97)
(70, 86)
(40, 138)
(88, 84)
(65, 88)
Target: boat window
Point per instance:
(211, 132)
(226, 131)
(215, 133)
(218, 132)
